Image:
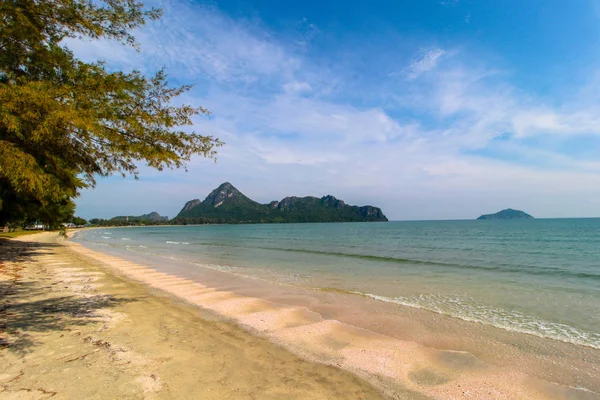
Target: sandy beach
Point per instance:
(82, 324)
(70, 328)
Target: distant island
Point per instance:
(509, 213)
(228, 205)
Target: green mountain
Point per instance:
(509, 213)
(153, 217)
(228, 205)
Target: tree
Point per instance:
(64, 121)
(54, 214)
(78, 221)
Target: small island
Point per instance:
(509, 213)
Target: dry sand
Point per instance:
(141, 342)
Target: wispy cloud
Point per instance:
(297, 87)
(449, 3)
(426, 61)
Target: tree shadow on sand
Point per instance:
(63, 313)
(20, 251)
(34, 306)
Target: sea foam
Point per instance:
(514, 321)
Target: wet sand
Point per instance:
(398, 367)
(574, 370)
(71, 328)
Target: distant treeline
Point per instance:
(174, 221)
(123, 222)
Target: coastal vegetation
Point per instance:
(64, 121)
(152, 218)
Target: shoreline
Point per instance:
(73, 327)
(385, 361)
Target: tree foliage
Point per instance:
(78, 221)
(64, 121)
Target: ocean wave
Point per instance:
(143, 247)
(125, 238)
(106, 237)
(170, 242)
(514, 321)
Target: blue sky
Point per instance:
(430, 109)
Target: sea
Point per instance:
(538, 277)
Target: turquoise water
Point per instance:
(539, 277)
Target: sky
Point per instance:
(429, 109)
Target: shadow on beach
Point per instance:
(22, 251)
(30, 301)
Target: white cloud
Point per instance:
(546, 121)
(534, 121)
(426, 61)
(297, 87)
(280, 154)
(197, 41)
